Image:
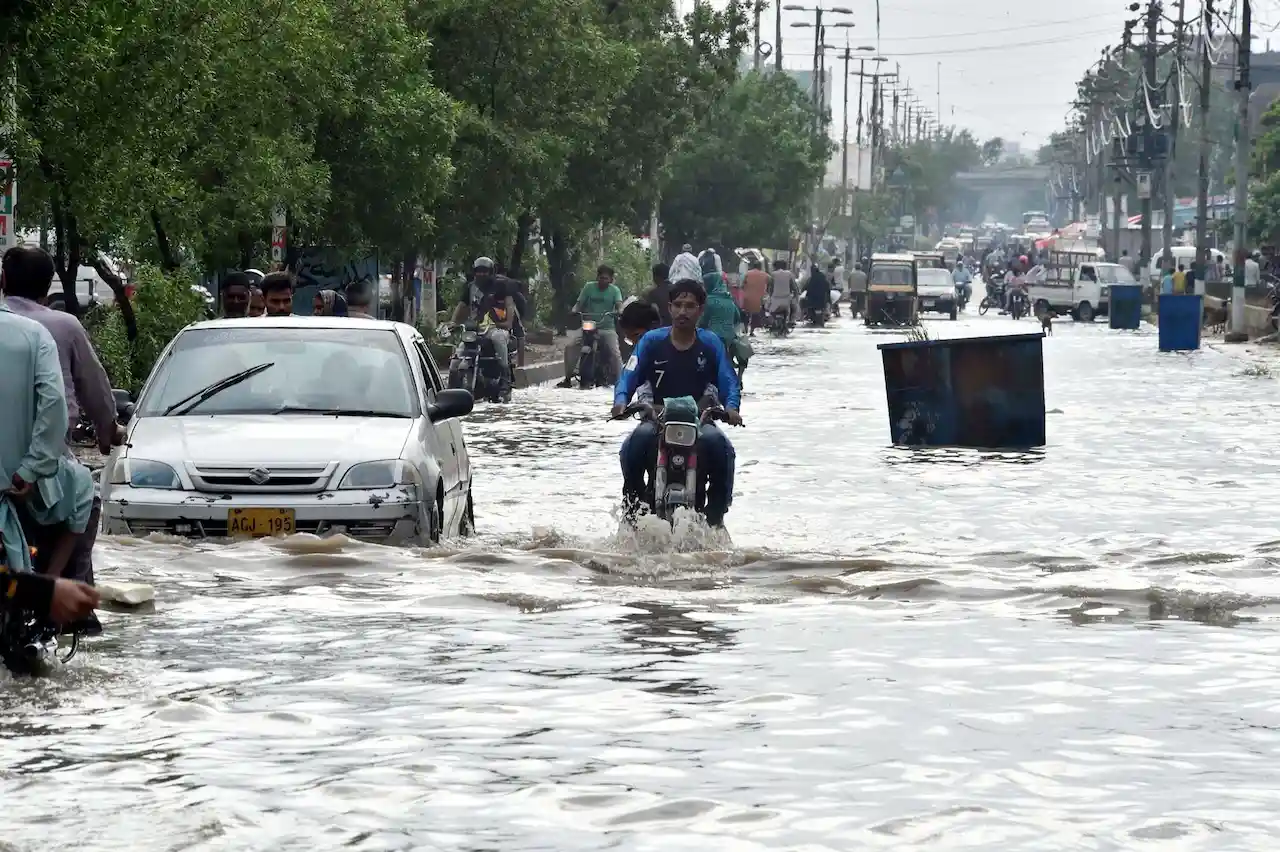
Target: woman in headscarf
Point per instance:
(329, 303)
(721, 314)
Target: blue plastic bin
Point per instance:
(1180, 321)
(1125, 309)
(982, 392)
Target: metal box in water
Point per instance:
(1180, 321)
(1125, 309)
(983, 392)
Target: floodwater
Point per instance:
(1070, 649)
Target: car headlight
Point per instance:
(143, 473)
(379, 474)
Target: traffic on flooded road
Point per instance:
(884, 646)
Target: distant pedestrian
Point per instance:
(1126, 260)
(1180, 280)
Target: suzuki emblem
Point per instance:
(259, 476)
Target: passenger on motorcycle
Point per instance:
(680, 361)
(817, 292)
(599, 302)
(1015, 283)
(486, 295)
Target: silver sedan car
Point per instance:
(270, 426)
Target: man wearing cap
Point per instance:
(488, 294)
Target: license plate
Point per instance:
(928, 303)
(256, 523)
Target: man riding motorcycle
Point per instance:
(492, 296)
(817, 293)
(963, 280)
(677, 361)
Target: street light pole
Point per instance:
(777, 48)
(1243, 86)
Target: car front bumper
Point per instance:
(385, 516)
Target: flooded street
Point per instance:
(941, 649)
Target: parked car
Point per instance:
(275, 425)
(937, 291)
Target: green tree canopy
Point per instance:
(746, 174)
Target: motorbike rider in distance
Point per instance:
(964, 280)
(488, 295)
(680, 360)
(783, 289)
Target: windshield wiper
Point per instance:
(336, 412)
(216, 388)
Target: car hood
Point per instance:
(936, 289)
(266, 437)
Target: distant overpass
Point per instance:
(1006, 193)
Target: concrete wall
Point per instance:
(1257, 321)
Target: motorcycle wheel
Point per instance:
(586, 371)
(983, 307)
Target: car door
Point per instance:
(446, 436)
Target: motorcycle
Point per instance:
(779, 324)
(674, 480)
(993, 299)
(591, 367)
(835, 303)
(474, 366)
(29, 642)
(1019, 305)
(963, 292)
(83, 432)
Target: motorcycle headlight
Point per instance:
(680, 434)
(378, 474)
(143, 473)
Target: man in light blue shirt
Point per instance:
(35, 469)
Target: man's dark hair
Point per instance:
(688, 285)
(755, 264)
(236, 279)
(359, 293)
(276, 281)
(28, 272)
(661, 272)
(604, 269)
(639, 314)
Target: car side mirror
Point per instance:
(125, 406)
(455, 402)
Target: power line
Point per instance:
(1002, 48)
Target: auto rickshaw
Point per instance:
(891, 291)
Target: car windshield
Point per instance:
(934, 278)
(896, 274)
(329, 370)
(1120, 275)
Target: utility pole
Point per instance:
(777, 39)
(817, 81)
(1172, 136)
(1202, 188)
(844, 138)
(1238, 333)
(1148, 140)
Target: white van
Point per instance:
(1080, 290)
(1185, 255)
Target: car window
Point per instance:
(1105, 275)
(935, 278)
(1088, 273)
(886, 274)
(429, 372)
(330, 369)
(1122, 275)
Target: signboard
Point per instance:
(8, 200)
(1092, 227)
(279, 221)
(907, 223)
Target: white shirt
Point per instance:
(685, 266)
(1252, 273)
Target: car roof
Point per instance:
(295, 321)
(893, 258)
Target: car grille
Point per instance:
(261, 478)
(372, 530)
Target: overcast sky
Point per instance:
(1009, 67)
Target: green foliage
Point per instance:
(630, 262)
(929, 167)
(163, 305)
(992, 150)
(746, 174)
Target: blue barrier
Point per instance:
(1126, 306)
(1180, 321)
(982, 392)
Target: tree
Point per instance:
(746, 175)
(929, 167)
(992, 151)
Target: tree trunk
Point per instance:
(66, 258)
(563, 286)
(117, 289)
(244, 240)
(168, 262)
(523, 225)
